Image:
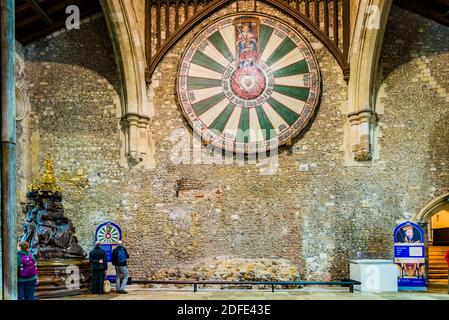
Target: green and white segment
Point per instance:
(108, 234)
(295, 75)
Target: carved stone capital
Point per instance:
(363, 116)
(134, 119)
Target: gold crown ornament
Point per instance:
(47, 181)
(407, 227)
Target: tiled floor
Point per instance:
(140, 293)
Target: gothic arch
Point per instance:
(123, 25)
(136, 112)
(368, 30)
(429, 209)
(311, 23)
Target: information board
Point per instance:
(409, 256)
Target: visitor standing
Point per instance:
(99, 264)
(119, 260)
(27, 272)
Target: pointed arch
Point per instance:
(312, 23)
(129, 51)
(424, 215)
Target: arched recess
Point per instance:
(156, 48)
(129, 51)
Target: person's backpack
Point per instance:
(122, 255)
(27, 268)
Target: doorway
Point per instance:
(435, 220)
(438, 235)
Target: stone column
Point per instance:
(8, 154)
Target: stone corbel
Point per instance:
(136, 128)
(362, 125)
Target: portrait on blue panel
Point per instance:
(408, 233)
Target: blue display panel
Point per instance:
(410, 256)
(409, 251)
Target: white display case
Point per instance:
(376, 275)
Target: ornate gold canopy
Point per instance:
(47, 181)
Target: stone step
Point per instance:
(438, 268)
(436, 271)
(438, 249)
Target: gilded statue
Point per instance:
(50, 233)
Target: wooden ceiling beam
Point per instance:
(41, 13)
(443, 2)
(82, 5)
(436, 10)
(23, 7)
(51, 10)
(24, 40)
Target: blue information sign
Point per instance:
(409, 256)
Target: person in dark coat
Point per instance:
(119, 259)
(99, 264)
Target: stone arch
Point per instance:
(430, 209)
(136, 111)
(423, 217)
(368, 28)
(340, 54)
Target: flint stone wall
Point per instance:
(313, 214)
